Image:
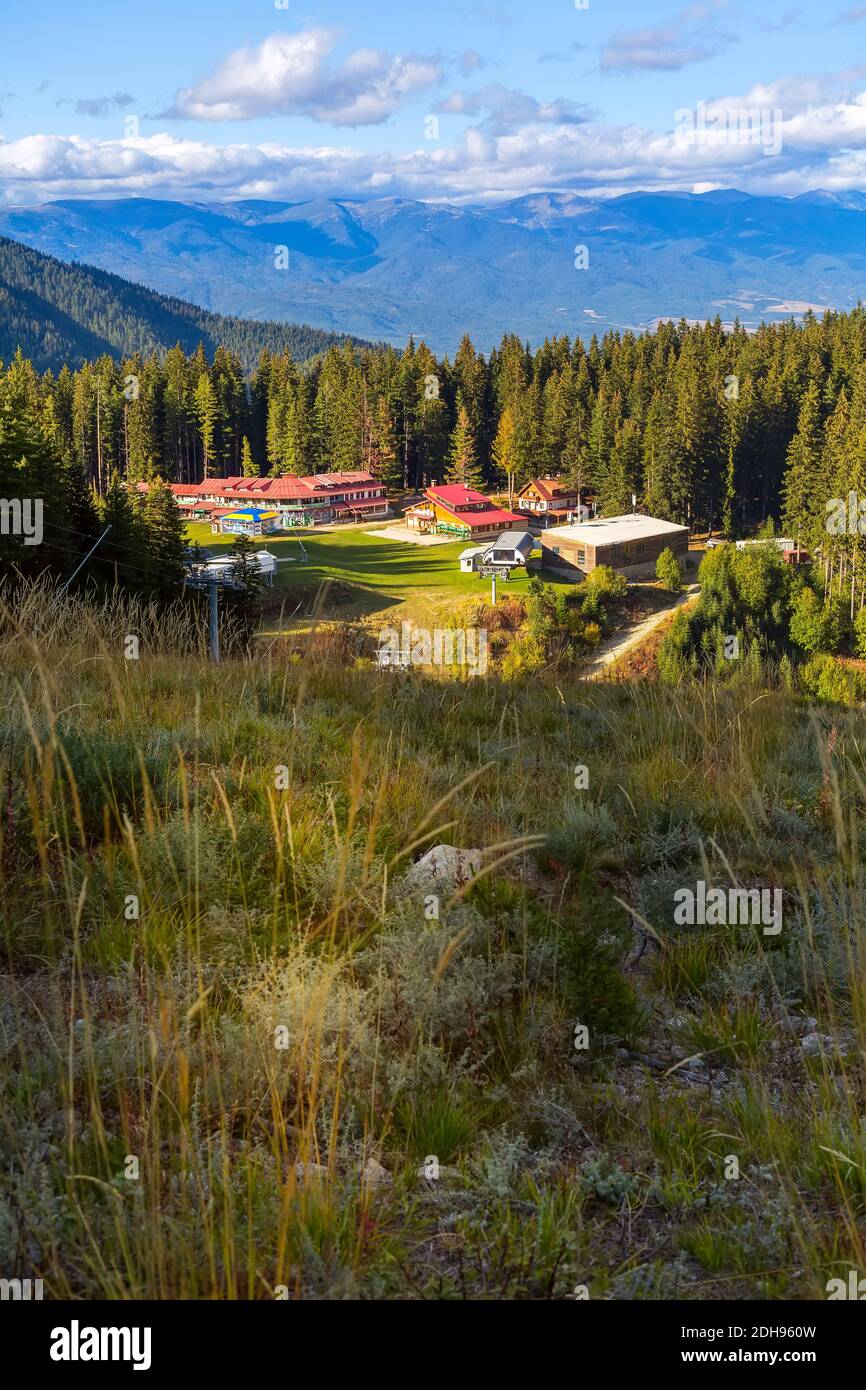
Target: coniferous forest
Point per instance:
(720, 429)
(64, 315)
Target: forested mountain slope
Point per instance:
(61, 314)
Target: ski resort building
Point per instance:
(629, 544)
(204, 564)
(460, 511)
(321, 497)
(552, 502)
(510, 549)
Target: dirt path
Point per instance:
(614, 647)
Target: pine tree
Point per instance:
(802, 486)
(528, 433)
(382, 457)
(164, 540)
(244, 599)
(463, 464)
(206, 413)
(122, 559)
(834, 484)
(620, 482)
(505, 452)
(248, 467)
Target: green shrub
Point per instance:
(108, 771)
(605, 583)
(675, 653)
(828, 679)
(603, 1179)
(816, 626)
(668, 571)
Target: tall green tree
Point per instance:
(463, 466)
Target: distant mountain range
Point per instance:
(386, 268)
(58, 313)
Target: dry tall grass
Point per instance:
(229, 1043)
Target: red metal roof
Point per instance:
(456, 494)
(287, 489)
(549, 488)
(338, 480)
(291, 487)
(313, 488)
(484, 513)
(491, 516)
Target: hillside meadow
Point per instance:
(368, 575)
(240, 1058)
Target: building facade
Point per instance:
(459, 511)
(552, 502)
(317, 499)
(629, 544)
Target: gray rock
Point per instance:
(310, 1172)
(816, 1044)
(374, 1175)
(442, 870)
(445, 1172)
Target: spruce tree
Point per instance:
(801, 517)
(164, 540)
(244, 598)
(505, 452)
(248, 467)
(463, 466)
(206, 414)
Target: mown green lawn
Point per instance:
(385, 573)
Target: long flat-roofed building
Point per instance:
(321, 497)
(629, 544)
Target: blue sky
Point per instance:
(449, 101)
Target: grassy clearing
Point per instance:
(351, 574)
(230, 1047)
(387, 578)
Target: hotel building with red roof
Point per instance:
(457, 510)
(321, 497)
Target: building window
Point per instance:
(581, 557)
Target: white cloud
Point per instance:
(562, 55)
(97, 106)
(692, 36)
(821, 129)
(470, 62)
(291, 74)
(507, 109)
